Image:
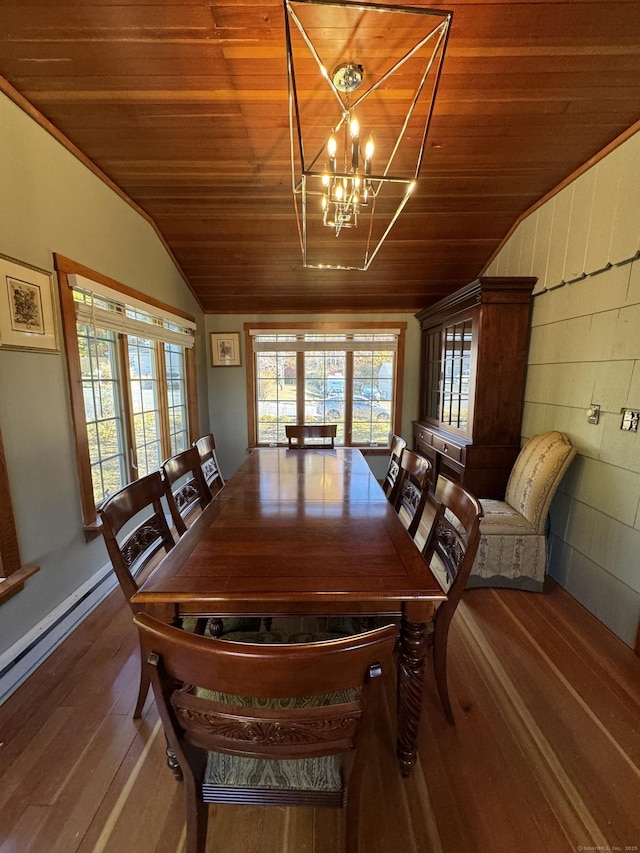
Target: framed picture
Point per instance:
(225, 349)
(27, 317)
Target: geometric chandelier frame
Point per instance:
(362, 82)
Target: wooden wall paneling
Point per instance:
(558, 246)
(625, 237)
(578, 237)
(540, 260)
(605, 197)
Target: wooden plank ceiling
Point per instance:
(184, 106)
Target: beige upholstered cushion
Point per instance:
(536, 474)
(501, 519)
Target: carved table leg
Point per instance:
(413, 648)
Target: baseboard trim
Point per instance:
(19, 661)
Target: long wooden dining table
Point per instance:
(305, 532)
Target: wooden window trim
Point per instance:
(65, 267)
(12, 571)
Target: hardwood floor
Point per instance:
(545, 754)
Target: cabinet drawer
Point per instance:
(453, 451)
(422, 436)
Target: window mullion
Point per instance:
(348, 398)
(127, 406)
(163, 399)
(300, 388)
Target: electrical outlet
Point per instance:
(630, 419)
(593, 413)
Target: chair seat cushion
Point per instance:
(229, 624)
(301, 774)
(500, 519)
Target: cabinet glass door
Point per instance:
(456, 366)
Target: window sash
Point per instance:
(298, 342)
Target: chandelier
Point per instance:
(362, 83)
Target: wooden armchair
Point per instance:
(412, 489)
(449, 551)
(513, 541)
(206, 447)
(321, 435)
(398, 444)
(185, 487)
(266, 724)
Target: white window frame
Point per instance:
(91, 299)
(350, 344)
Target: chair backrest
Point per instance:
(321, 435)
(206, 447)
(412, 489)
(452, 543)
(227, 717)
(398, 444)
(536, 475)
(185, 486)
(137, 508)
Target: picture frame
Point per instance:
(27, 315)
(225, 349)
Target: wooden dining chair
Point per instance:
(412, 489)
(137, 510)
(398, 444)
(266, 724)
(319, 435)
(206, 447)
(137, 536)
(449, 552)
(186, 489)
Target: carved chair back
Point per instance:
(185, 487)
(449, 551)
(391, 479)
(258, 705)
(412, 489)
(135, 532)
(135, 529)
(206, 447)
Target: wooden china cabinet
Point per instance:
(474, 346)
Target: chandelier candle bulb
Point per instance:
(368, 155)
(354, 128)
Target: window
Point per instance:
(128, 358)
(320, 373)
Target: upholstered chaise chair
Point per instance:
(513, 541)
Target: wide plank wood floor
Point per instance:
(545, 754)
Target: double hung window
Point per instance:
(129, 361)
(321, 373)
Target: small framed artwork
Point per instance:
(225, 349)
(27, 317)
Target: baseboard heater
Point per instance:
(21, 659)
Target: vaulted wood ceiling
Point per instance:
(184, 106)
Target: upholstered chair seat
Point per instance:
(513, 541)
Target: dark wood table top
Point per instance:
(296, 531)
